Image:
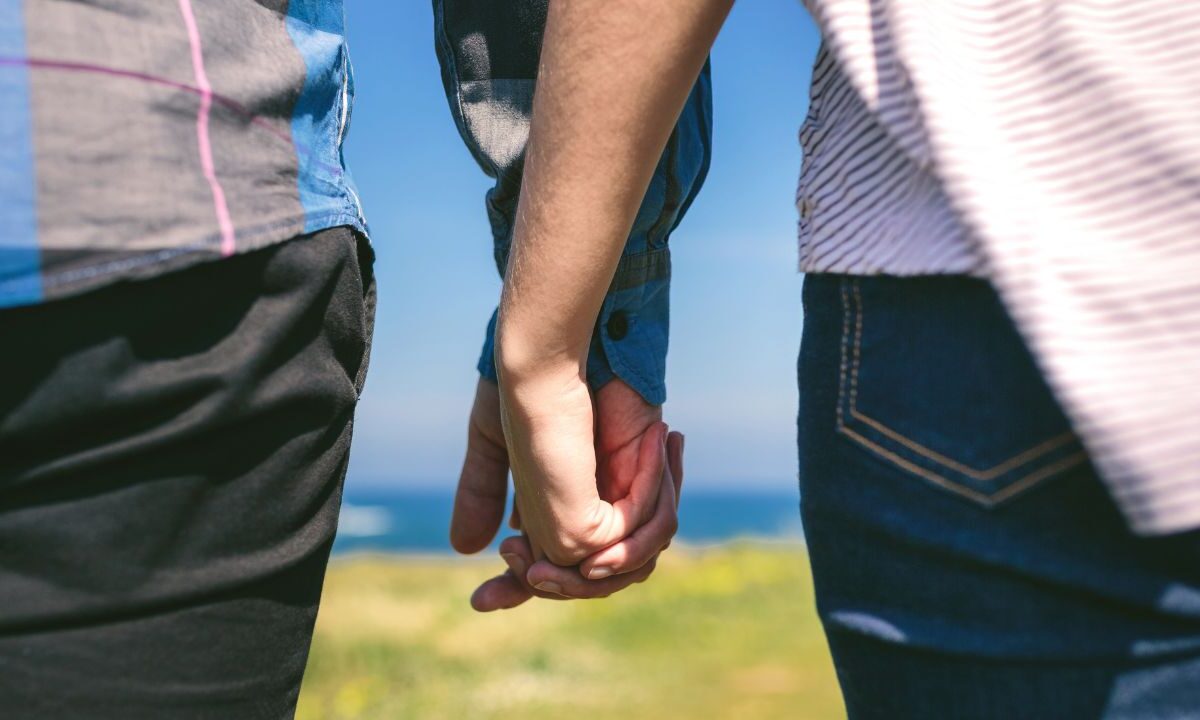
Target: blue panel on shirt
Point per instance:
(322, 115)
(20, 277)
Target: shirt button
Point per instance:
(618, 325)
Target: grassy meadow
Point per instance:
(728, 632)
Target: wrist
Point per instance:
(536, 395)
(528, 360)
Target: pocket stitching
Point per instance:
(1022, 458)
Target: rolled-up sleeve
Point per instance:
(489, 64)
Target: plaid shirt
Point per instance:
(139, 137)
(489, 60)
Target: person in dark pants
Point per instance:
(186, 301)
(173, 455)
(186, 304)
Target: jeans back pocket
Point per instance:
(935, 380)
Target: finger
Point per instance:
(501, 593)
(643, 545)
(509, 589)
(531, 546)
(479, 501)
(675, 442)
(527, 545)
(567, 582)
(483, 484)
(514, 519)
(675, 446)
(517, 552)
(635, 509)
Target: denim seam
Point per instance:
(1023, 458)
(992, 473)
(984, 499)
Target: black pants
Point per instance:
(171, 461)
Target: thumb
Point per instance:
(483, 484)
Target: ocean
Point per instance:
(418, 520)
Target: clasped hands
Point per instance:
(597, 479)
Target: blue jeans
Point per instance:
(968, 562)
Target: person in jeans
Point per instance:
(999, 424)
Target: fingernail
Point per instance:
(550, 587)
(599, 573)
(515, 563)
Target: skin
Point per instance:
(623, 421)
(613, 79)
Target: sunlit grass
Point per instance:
(722, 633)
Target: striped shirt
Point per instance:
(139, 137)
(1053, 148)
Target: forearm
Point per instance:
(614, 78)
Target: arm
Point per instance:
(489, 63)
(613, 81)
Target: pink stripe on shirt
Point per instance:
(224, 221)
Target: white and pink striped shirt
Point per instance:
(1053, 148)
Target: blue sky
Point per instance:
(735, 296)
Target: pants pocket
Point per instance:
(934, 380)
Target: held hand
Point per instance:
(623, 419)
(550, 435)
(594, 141)
(628, 561)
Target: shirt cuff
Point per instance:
(630, 338)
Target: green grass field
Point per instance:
(721, 633)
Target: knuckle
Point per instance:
(565, 550)
(574, 540)
(511, 546)
(672, 525)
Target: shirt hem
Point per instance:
(160, 261)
